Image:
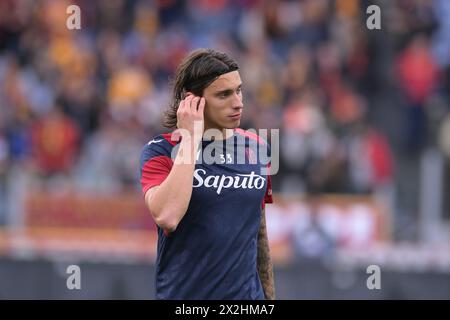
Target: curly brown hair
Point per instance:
(196, 72)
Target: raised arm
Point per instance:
(169, 201)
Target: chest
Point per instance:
(226, 174)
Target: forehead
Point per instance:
(229, 80)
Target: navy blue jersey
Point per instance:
(212, 252)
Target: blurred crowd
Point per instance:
(76, 106)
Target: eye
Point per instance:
(239, 90)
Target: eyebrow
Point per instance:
(227, 90)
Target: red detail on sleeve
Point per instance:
(268, 196)
(168, 137)
(155, 171)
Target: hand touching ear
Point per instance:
(190, 119)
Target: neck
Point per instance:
(226, 133)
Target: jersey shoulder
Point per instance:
(160, 145)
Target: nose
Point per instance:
(237, 101)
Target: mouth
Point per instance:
(236, 116)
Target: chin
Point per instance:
(232, 125)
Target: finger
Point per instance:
(194, 104)
(189, 95)
(181, 106)
(201, 106)
(187, 102)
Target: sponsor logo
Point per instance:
(220, 182)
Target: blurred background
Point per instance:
(364, 119)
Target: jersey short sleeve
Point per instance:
(268, 195)
(155, 162)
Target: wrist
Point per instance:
(187, 154)
(191, 140)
